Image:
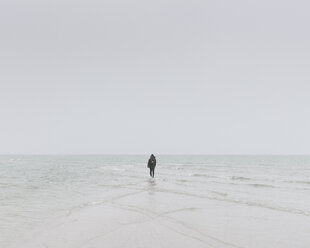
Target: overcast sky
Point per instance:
(163, 77)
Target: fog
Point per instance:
(162, 77)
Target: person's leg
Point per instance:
(150, 171)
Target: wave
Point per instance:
(183, 180)
(298, 182)
(240, 178)
(219, 193)
(248, 184)
(265, 164)
(201, 175)
(260, 185)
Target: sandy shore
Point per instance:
(161, 218)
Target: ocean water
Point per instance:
(37, 190)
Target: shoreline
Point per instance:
(154, 218)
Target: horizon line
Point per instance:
(158, 154)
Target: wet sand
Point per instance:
(157, 217)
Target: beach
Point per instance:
(193, 201)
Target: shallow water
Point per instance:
(36, 190)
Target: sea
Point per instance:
(39, 189)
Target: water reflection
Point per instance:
(151, 186)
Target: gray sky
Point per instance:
(115, 77)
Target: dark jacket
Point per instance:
(152, 162)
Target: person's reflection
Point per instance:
(151, 186)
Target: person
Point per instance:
(151, 164)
